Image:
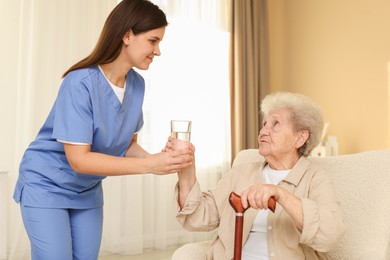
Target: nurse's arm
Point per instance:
(84, 161)
(135, 150)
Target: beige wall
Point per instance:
(337, 52)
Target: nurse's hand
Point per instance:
(169, 161)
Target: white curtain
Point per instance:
(188, 81)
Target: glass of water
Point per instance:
(180, 133)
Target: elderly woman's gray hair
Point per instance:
(305, 115)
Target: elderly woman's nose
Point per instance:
(263, 130)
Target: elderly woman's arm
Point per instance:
(323, 221)
(317, 215)
(197, 210)
(292, 205)
(257, 197)
(202, 211)
(187, 179)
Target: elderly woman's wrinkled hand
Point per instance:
(257, 195)
(169, 146)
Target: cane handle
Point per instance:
(235, 202)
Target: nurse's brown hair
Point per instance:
(137, 16)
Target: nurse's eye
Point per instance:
(153, 42)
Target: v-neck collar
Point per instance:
(113, 99)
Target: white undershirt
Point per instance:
(119, 92)
(256, 246)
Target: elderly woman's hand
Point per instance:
(257, 195)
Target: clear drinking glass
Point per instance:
(180, 133)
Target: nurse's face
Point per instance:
(140, 49)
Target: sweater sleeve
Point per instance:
(200, 212)
(323, 222)
(203, 211)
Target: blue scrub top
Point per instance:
(86, 111)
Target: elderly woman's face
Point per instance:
(278, 138)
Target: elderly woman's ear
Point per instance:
(303, 135)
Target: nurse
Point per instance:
(91, 133)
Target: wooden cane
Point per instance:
(235, 202)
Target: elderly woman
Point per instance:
(307, 222)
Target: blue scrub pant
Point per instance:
(63, 234)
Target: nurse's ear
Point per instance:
(127, 38)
